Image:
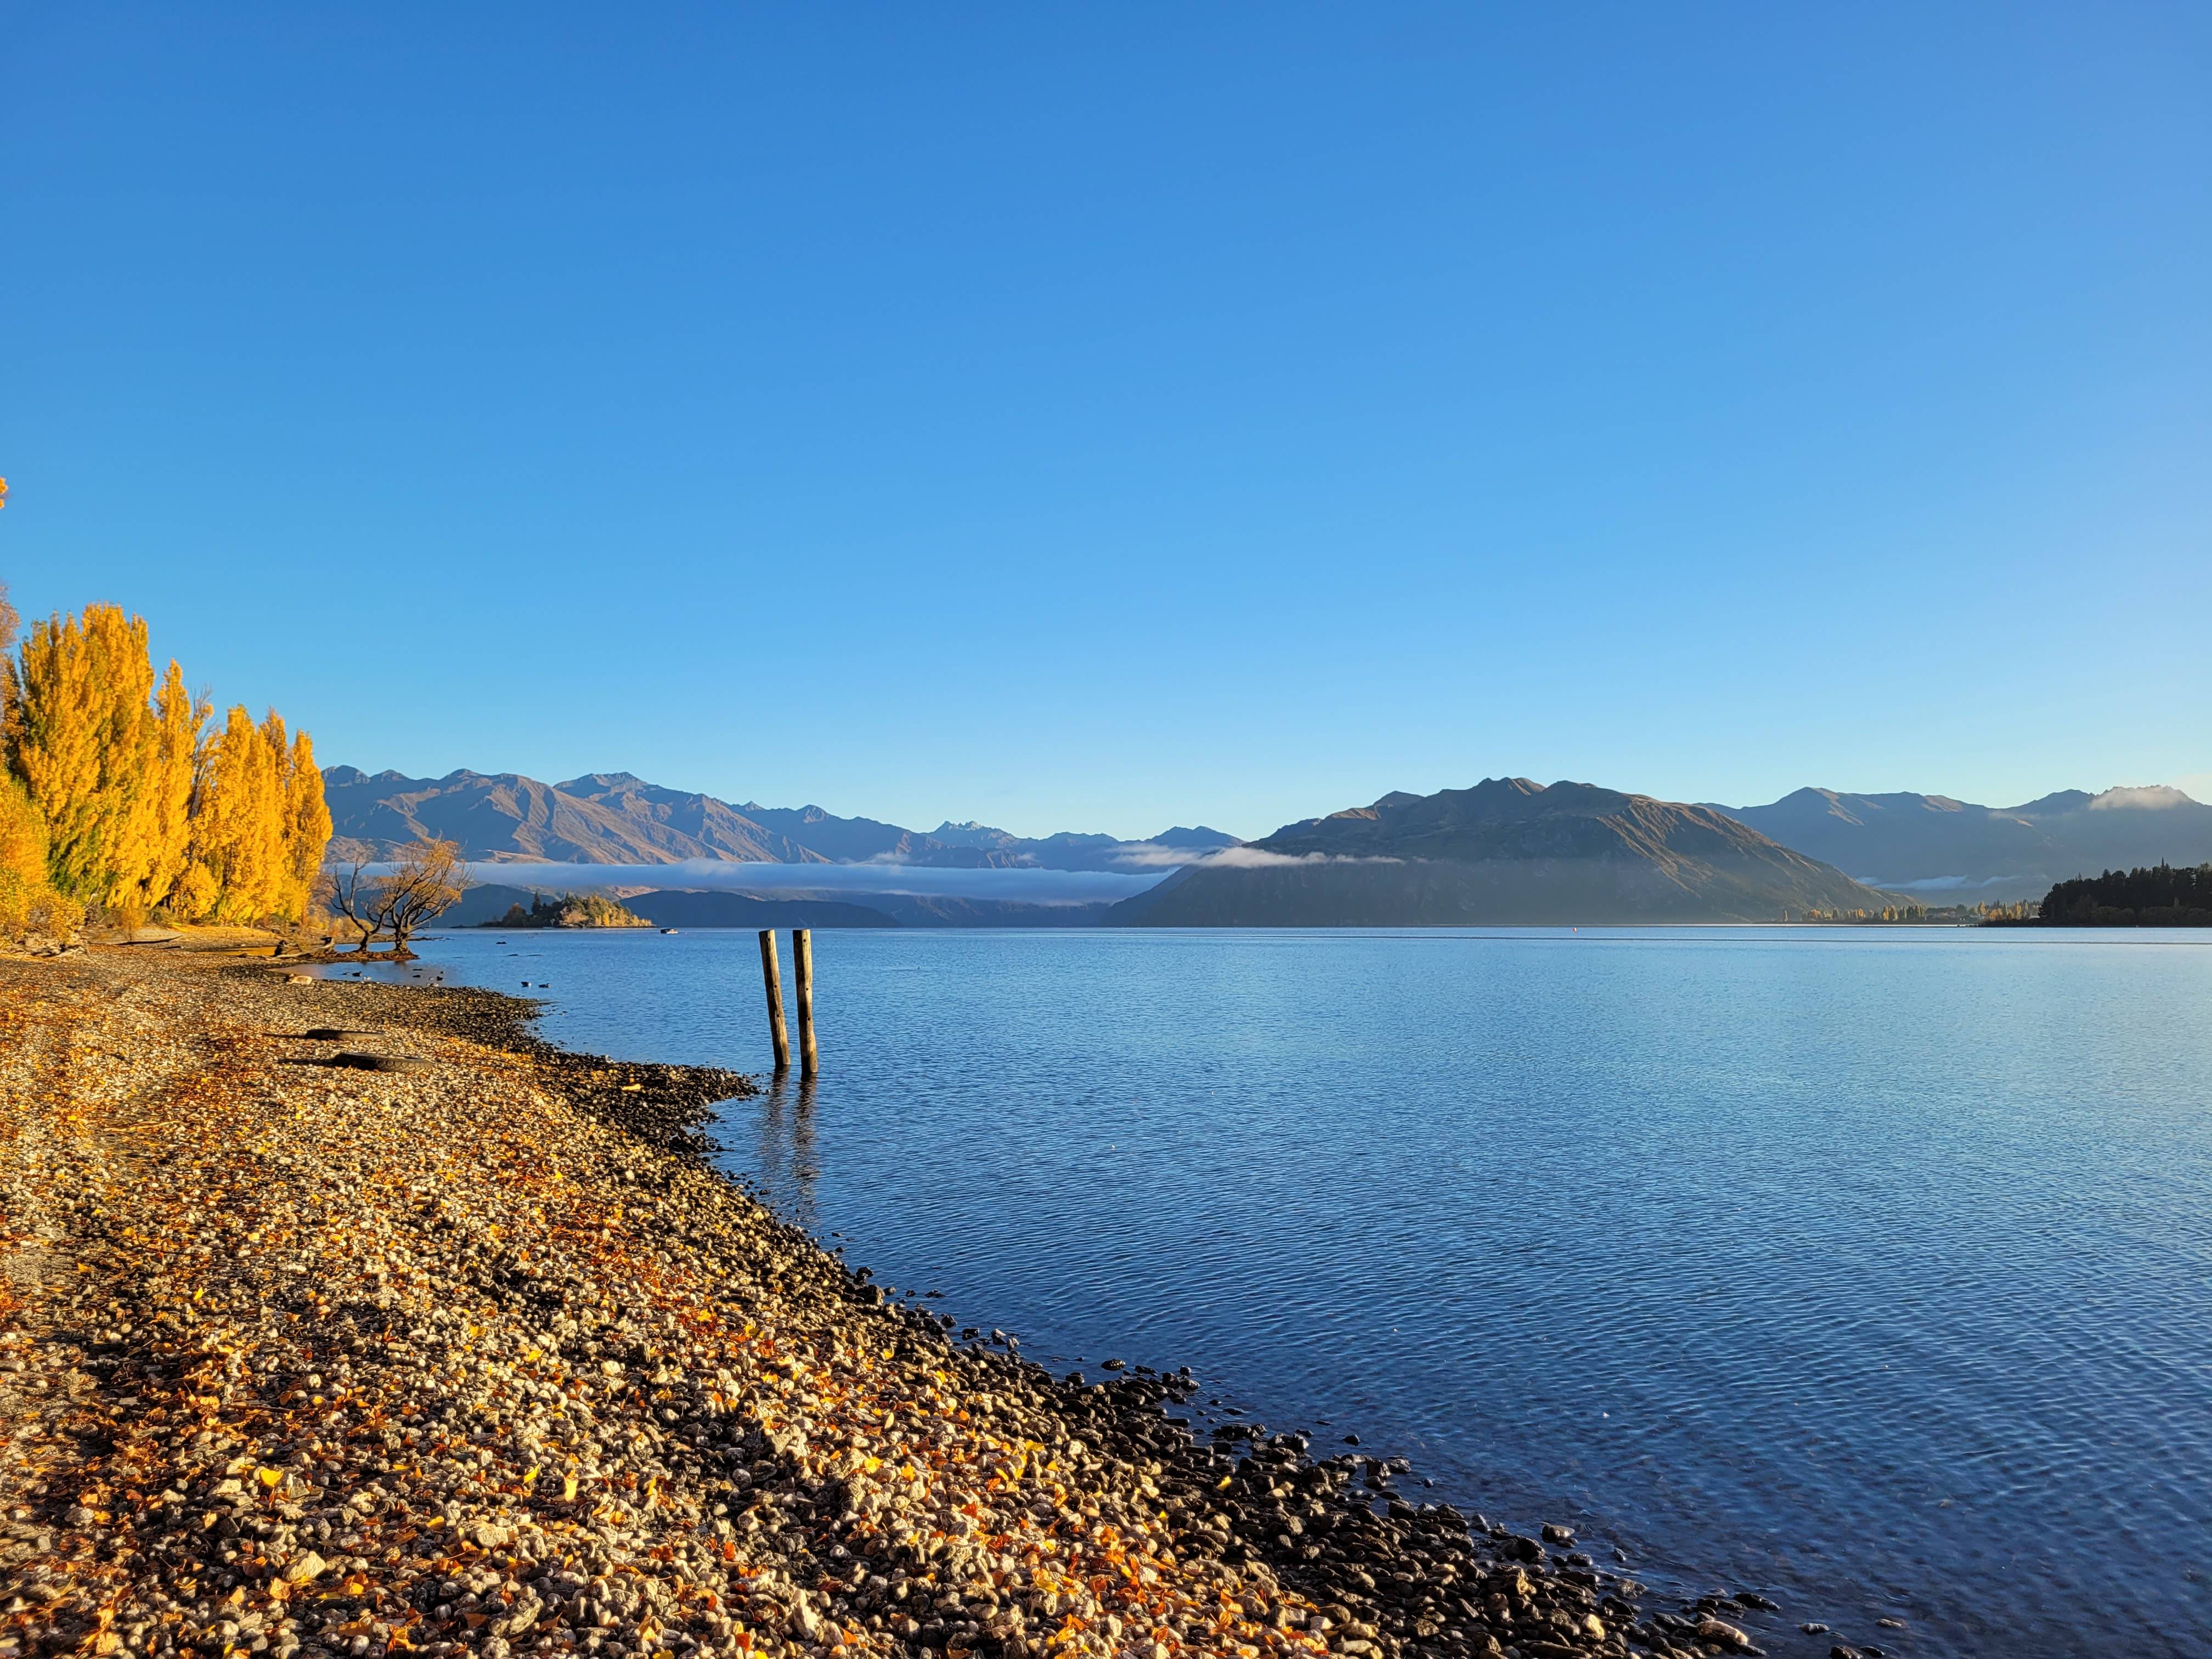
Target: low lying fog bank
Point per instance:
(1012, 886)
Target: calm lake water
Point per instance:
(1869, 1269)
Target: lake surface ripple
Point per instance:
(1867, 1269)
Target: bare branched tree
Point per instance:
(349, 890)
(426, 879)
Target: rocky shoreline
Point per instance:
(343, 1320)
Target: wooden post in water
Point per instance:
(772, 978)
(802, 962)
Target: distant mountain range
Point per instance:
(1943, 850)
(614, 817)
(1508, 850)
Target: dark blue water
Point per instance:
(1869, 1269)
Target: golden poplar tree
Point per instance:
(172, 768)
(306, 825)
(276, 744)
(79, 732)
(195, 891)
(303, 819)
(22, 826)
(51, 743)
(123, 678)
(22, 857)
(113, 786)
(238, 822)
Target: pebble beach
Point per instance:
(343, 1320)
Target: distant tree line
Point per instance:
(2160, 897)
(1980, 911)
(1890, 913)
(119, 797)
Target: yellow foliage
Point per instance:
(194, 893)
(303, 821)
(173, 767)
(53, 741)
(137, 808)
(110, 771)
(237, 826)
(27, 900)
(22, 855)
(306, 825)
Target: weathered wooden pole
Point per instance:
(772, 978)
(802, 962)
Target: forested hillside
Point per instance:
(2162, 896)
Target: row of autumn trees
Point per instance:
(120, 794)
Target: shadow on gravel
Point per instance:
(352, 1062)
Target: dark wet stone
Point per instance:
(353, 1061)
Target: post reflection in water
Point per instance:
(787, 1168)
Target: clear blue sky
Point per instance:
(1101, 417)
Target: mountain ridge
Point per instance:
(1505, 851)
(618, 817)
(1939, 848)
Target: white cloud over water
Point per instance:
(1151, 855)
(853, 881)
(1252, 858)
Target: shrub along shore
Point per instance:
(345, 1320)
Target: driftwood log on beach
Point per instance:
(483, 1356)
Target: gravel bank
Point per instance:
(478, 1355)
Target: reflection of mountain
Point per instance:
(613, 818)
(1507, 850)
(1939, 848)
